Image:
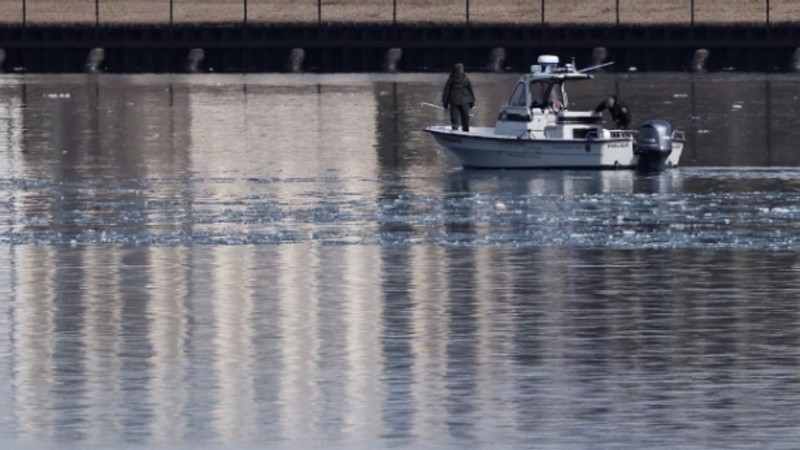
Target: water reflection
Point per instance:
(518, 183)
(74, 122)
(178, 267)
(167, 314)
(310, 344)
(342, 159)
(78, 122)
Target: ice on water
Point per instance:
(686, 208)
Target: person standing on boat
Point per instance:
(619, 113)
(458, 97)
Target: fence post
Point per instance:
(171, 9)
(617, 13)
(467, 2)
(24, 13)
(245, 51)
(768, 18)
(394, 20)
(96, 13)
(692, 13)
(542, 12)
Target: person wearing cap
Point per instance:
(458, 97)
(619, 113)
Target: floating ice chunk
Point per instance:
(500, 206)
(703, 131)
(633, 69)
(737, 106)
(680, 95)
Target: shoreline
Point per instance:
(401, 12)
(344, 23)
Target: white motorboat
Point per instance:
(536, 129)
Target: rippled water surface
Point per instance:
(289, 261)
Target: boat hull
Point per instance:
(481, 149)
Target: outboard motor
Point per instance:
(654, 145)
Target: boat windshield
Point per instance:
(548, 94)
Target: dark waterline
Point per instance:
(291, 262)
(255, 47)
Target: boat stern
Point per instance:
(658, 146)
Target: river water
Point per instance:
(289, 261)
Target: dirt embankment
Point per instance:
(557, 12)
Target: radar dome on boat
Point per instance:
(547, 60)
(545, 64)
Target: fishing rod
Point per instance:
(432, 105)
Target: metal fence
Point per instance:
(459, 12)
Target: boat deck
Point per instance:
(488, 132)
(473, 131)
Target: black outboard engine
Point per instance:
(654, 145)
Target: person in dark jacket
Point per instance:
(458, 97)
(619, 113)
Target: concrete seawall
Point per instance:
(365, 47)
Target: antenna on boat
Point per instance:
(589, 69)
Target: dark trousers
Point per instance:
(463, 112)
